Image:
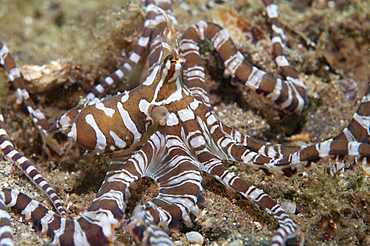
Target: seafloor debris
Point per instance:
(44, 78)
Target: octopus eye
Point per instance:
(160, 115)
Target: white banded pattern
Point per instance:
(289, 95)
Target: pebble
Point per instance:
(289, 207)
(195, 237)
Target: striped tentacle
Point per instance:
(108, 208)
(193, 72)
(282, 94)
(96, 225)
(22, 163)
(213, 165)
(347, 148)
(296, 162)
(153, 26)
(23, 98)
(277, 41)
(222, 143)
(337, 152)
(273, 151)
(63, 232)
(288, 164)
(134, 58)
(6, 232)
(213, 127)
(358, 128)
(168, 163)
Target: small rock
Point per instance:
(195, 237)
